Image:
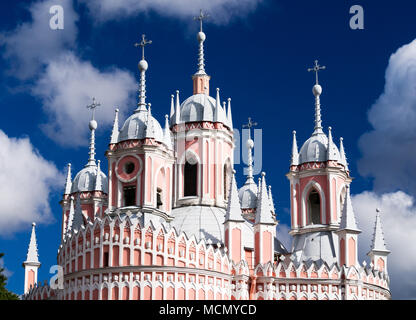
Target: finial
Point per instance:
(93, 127)
(201, 38)
(143, 66)
(229, 116)
(68, 182)
(250, 146)
(142, 44)
(202, 16)
(115, 131)
(317, 91)
(316, 68)
(172, 105)
(295, 154)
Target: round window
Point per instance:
(129, 167)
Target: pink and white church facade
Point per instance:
(168, 220)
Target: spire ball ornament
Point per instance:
(93, 125)
(317, 90)
(201, 36)
(143, 65)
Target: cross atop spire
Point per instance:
(142, 44)
(93, 106)
(93, 127)
(202, 16)
(249, 125)
(143, 66)
(250, 146)
(316, 68)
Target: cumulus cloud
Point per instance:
(221, 11)
(26, 182)
(67, 87)
(32, 44)
(389, 150)
(398, 215)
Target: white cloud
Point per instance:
(220, 11)
(399, 224)
(67, 87)
(26, 181)
(32, 44)
(389, 150)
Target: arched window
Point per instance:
(190, 179)
(225, 177)
(314, 207)
(159, 202)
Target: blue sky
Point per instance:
(256, 52)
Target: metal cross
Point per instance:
(92, 106)
(249, 125)
(202, 16)
(142, 44)
(316, 68)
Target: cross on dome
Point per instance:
(316, 68)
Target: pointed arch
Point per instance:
(313, 186)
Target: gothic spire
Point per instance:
(98, 181)
(150, 130)
(93, 127)
(342, 154)
(68, 182)
(331, 150)
(263, 211)
(271, 200)
(295, 154)
(70, 220)
(233, 212)
(166, 134)
(201, 38)
(317, 91)
(115, 131)
(177, 116)
(172, 105)
(250, 146)
(229, 116)
(143, 66)
(348, 221)
(32, 252)
(378, 242)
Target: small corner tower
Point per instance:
(379, 252)
(32, 263)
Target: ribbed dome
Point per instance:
(201, 221)
(85, 180)
(315, 149)
(201, 107)
(135, 127)
(248, 196)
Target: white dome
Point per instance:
(201, 107)
(85, 180)
(248, 196)
(315, 149)
(201, 221)
(135, 127)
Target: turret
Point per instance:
(379, 252)
(348, 234)
(264, 227)
(233, 224)
(32, 263)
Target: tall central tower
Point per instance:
(203, 135)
